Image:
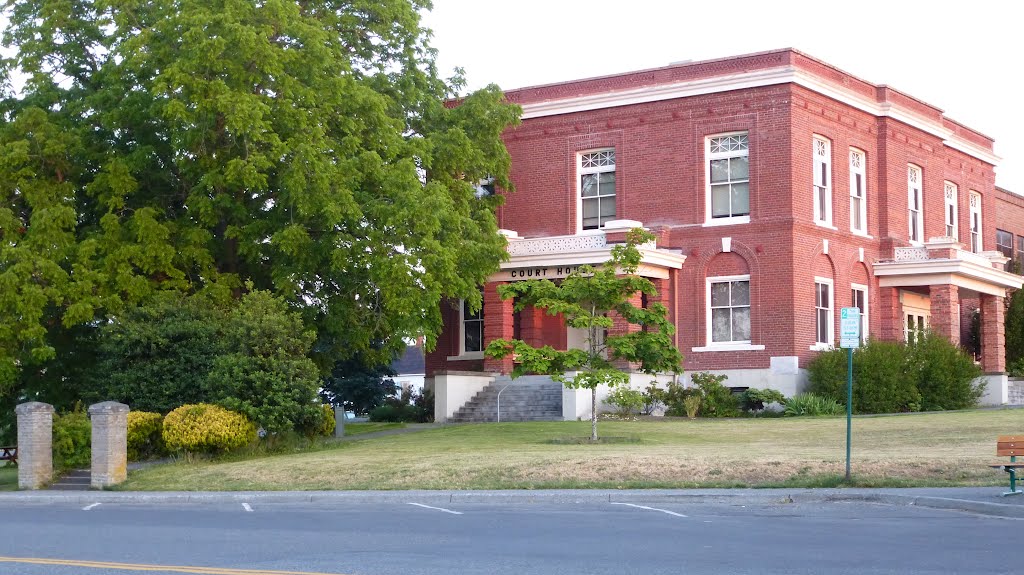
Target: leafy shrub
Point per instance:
(206, 428)
(627, 400)
(717, 400)
(72, 440)
(884, 377)
(391, 412)
(145, 435)
(809, 404)
(424, 403)
(675, 396)
(947, 378)
(156, 357)
(692, 405)
(409, 407)
(322, 425)
(1016, 369)
(653, 398)
(266, 376)
(755, 399)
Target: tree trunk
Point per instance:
(593, 414)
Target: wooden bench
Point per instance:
(1010, 446)
(9, 454)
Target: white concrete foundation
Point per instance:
(997, 389)
(453, 389)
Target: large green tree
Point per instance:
(307, 147)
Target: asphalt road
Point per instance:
(413, 537)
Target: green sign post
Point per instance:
(849, 338)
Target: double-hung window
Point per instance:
(728, 176)
(858, 192)
(822, 181)
(952, 210)
(859, 297)
(729, 310)
(976, 239)
(1020, 256)
(472, 329)
(597, 188)
(824, 333)
(915, 213)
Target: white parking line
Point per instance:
(88, 507)
(247, 507)
(437, 508)
(652, 509)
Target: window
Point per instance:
(859, 299)
(976, 241)
(824, 332)
(951, 210)
(472, 329)
(1004, 243)
(858, 192)
(485, 188)
(915, 214)
(822, 181)
(597, 188)
(1018, 268)
(729, 312)
(915, 327)
(728, 176)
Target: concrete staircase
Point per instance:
(527, 398)
(75, 480)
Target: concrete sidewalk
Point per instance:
(980, 500)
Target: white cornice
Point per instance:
(916, 270)
(755, 79)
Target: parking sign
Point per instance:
(849, 327)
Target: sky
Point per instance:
(962, 57)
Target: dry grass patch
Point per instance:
(928, 449)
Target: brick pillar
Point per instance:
(497, 325)
(35, 444)
(109, 443)
(946, 311)
(993, 352)
(532, 325)
(621, 327)
(890, 314)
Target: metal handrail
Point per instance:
(499, 399)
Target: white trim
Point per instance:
(466, 356)
(862, 171)
(735, 220)
(722, 345)
(821, 347)
(821, 159)
(865, 312)
(756, 79)
(728, 347)
(831, 312)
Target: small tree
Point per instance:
(585, 299)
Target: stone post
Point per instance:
(993, 337)
(946, 311)
(109, 443)
(35, 444)
(339, 420)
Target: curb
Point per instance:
(737, 497)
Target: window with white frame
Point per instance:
(952, 210)
(859, 298)
(976, 238)
(914, 212)
(824, 333)
(728, 175)
(822, 181)
(858, 192)
(472, 329)
(729, 309)
(915, 327)
(597, 188)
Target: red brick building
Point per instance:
(780, 188)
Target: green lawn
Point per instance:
(8, 478)
(918, 450)
(370, 427)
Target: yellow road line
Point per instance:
(146, 567)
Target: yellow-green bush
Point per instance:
(327, 422)
(145, 435)
(206, 428)
(72, 439)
